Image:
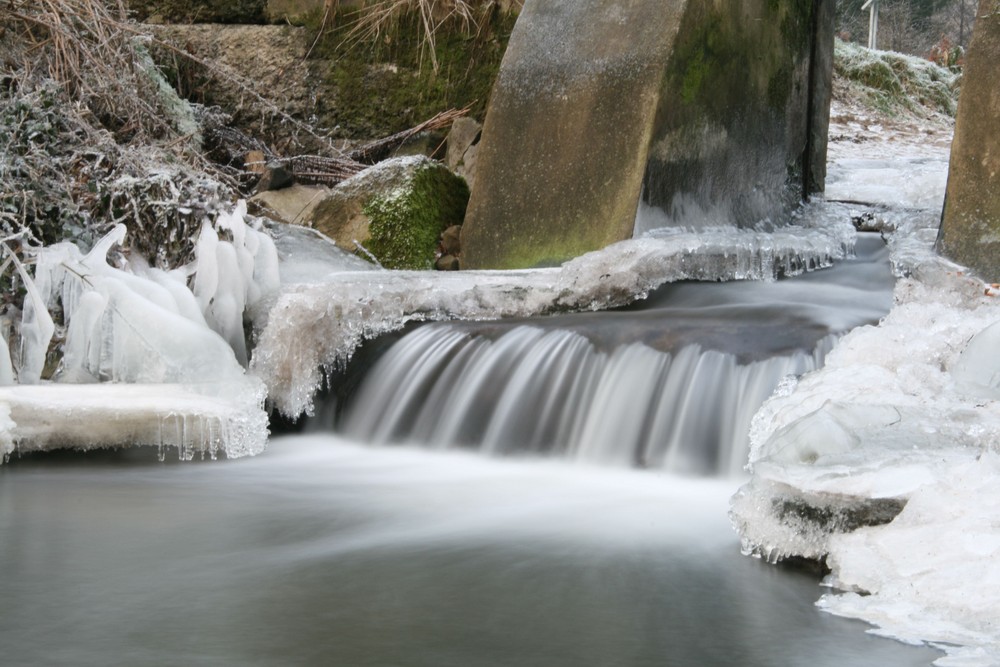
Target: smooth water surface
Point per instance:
(323, 552)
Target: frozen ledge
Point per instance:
(315, 328)
(197, 419)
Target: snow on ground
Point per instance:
(903, 415)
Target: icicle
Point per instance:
(6, 367)
(206, 277)
(36, 328)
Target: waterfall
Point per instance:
(532, 390)
(671, 382)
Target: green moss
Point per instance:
(695, 73)
(406, 223)
(720, 64)
(388, 85)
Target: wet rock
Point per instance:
(447, 263)
(451, 240)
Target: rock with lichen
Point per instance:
(394, 212)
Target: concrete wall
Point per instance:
(702, 106)
(970, 223)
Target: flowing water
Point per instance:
(323, 552)
(332, 550)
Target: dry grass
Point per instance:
(381, 19)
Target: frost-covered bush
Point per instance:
(91, 137)
(895, 83)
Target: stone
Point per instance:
(467, 169)
(464, 133)
(451, 241)
(294, 205)
(447, 263)
(970, 222)
(395, 210)
(276, 176)
(704, 109)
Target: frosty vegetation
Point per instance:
(894, 83)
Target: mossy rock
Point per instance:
(395, 210)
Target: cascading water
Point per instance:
(555, 392)
(681, 400)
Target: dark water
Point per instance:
(322, 552)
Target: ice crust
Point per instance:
(315, 328)
(143, 326)
(900, 429)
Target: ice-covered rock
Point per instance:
(884, 463)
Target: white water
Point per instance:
(555, 392)
(315, 328)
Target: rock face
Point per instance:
(712, 108)
(970, 223)
(463, 145)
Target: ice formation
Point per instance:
(318, 326)
(143, 326)
(887, 461)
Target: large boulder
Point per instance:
(970, 223)
(714, 108)
(394, 212)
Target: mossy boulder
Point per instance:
(395, 210)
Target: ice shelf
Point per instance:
(196, 419)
